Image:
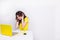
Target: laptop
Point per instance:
(6, 29)
(0, 29)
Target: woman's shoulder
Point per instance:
(26, 18)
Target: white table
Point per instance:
(18, 36)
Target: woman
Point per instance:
(21, 21)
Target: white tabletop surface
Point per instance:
(18, 36)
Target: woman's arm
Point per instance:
(17, 24)
(23, 24)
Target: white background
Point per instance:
(44, 16)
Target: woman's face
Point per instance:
(19, 17)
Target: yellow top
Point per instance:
(26, 26)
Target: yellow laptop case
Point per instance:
(6, 29)
(0, 29)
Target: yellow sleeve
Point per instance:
(26, 19)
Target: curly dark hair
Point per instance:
(20, 13)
